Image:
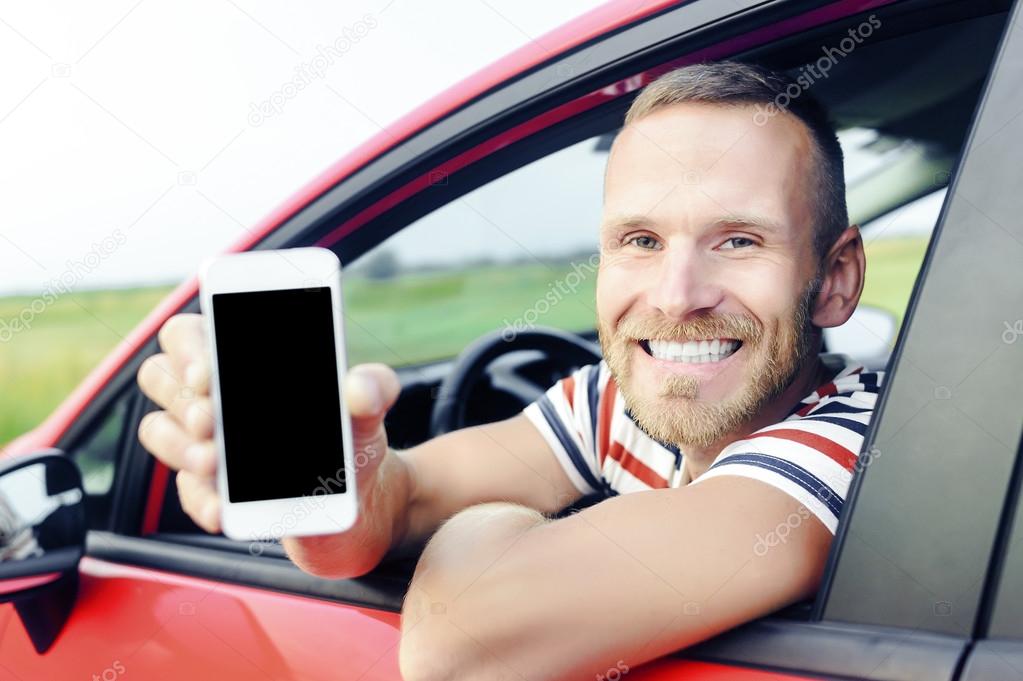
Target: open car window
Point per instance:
(521, 251)
(518, 252)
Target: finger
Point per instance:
(198, 496)
(161, 382)
(369, 391)
(201, 458)
(183, 337)
(165, 439)
(199, 420)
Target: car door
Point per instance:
(158, 599)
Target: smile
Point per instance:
(691, 352)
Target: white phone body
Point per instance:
(283, 432)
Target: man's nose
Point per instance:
(684, 283)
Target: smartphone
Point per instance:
(283, 432)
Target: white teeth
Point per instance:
(693, 352)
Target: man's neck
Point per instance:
(699, 459)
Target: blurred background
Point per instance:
(139, 137)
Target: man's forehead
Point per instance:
(713, 155)
(691, 133)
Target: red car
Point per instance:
(105, 577)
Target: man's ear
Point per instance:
(844, 267)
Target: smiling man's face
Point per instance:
(708, 272)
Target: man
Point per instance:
(723, 441)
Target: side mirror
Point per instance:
(42, 538)
(867, 336)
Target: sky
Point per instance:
(133, 140)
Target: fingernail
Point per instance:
(196, 416)
(190, 416)
(194, 457)
(209, 513)
(364, 390)
(192, 374)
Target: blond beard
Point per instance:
(676, 414)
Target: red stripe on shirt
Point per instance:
(805, 410)
(568, 385)
(604, 411)
(835, 451)
(825, 390)
(629, 462)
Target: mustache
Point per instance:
(740, 327)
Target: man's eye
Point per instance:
(738, 242)
(643, 241)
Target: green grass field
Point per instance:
(408, 319)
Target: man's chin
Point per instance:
(682, 421)
(676, 407)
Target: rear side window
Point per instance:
(98, 456)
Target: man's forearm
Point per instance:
(465, 547)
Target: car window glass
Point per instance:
(97, 456)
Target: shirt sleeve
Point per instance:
(809, 457)
(564, 417)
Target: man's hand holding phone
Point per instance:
(182, 436)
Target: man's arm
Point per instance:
(419, 488)
(503, 461)
(403, 496)
(502, 592)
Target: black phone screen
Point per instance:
(279, 393)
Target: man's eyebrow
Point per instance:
(749, 221)
(625, 222)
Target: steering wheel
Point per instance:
(564, 349)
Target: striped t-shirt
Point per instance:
(810, 454)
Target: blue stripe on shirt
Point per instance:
(837, 420)
(836, 408)
(797, 474)
(869, 381)
(576, 456)
(592, 395)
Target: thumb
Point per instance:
(369, 390)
